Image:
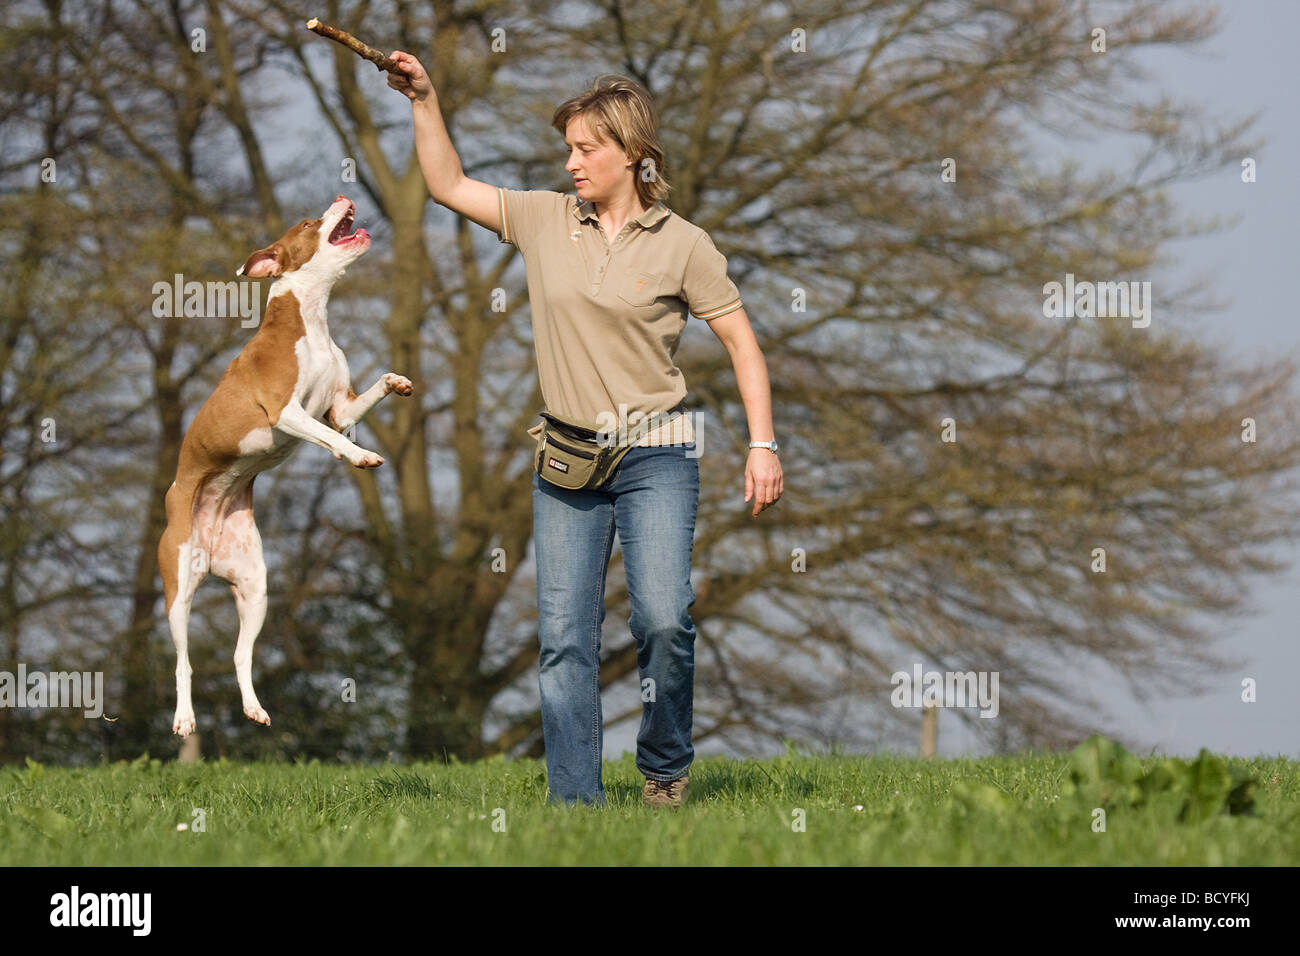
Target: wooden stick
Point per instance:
(380, 61)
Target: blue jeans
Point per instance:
(651, 500)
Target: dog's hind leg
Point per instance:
(237, 557)
(182, 561)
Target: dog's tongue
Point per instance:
(340, 231)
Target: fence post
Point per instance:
(929, 730)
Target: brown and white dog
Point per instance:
(272, 398)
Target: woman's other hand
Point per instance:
(763, 478)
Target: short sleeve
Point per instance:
(525, 212)
(708, 291)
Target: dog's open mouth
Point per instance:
(339, 234)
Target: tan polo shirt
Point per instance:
(608, 312)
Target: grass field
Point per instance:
(856, 810)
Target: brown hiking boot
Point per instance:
(665, 793)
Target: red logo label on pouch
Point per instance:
(558, 465)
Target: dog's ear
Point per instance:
(264, 262)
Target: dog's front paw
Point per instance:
(257, 715)
(366, 459)
(397, 383)
(183, 725)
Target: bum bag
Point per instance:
(569, 454)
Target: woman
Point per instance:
(611, 276)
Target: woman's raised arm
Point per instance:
(439, 162)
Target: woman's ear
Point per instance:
(264, 262)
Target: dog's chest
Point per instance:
(322, 372)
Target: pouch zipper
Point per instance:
(580, 452)
(576, 432)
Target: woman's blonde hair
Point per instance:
(619, 108)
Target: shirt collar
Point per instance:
(586, 209)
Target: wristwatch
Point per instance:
(764, 444)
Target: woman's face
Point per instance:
(598, 168)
